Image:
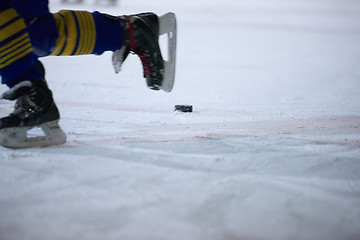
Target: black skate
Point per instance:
(141, 36)
(34, 107)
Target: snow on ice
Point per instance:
(271, 151)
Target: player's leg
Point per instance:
(82, 32)
(17, 61)
(21, 71)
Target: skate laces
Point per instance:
(23, 104)
(23, 94)
(144, 55)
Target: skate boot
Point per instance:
(141, 36)
(34, 107)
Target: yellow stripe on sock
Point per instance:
(16, 55)
(87, 36)
(70, 41)
(72, 33)
(82, 34)
(12, 43)
(91, 33)
(12, 29)
(19, 46)
(15, 52)
(66, 27)
(7, 15)
(60, 42)
(14, 47)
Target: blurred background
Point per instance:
(270, 152)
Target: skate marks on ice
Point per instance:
(336, 130)
(293, 179)
(227, 185)
(205, 147)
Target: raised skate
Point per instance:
(141, 37)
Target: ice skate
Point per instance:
(34, 107)
(141, 36)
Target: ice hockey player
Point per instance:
(29, 31)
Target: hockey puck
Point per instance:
(183, 108)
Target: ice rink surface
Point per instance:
(271, 151)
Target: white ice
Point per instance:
(271, 151)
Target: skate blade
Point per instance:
(118, 59)
(17, 137)
(167, 24)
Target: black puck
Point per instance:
(183, 108)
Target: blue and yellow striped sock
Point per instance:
(82, 32)
(17, 61)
